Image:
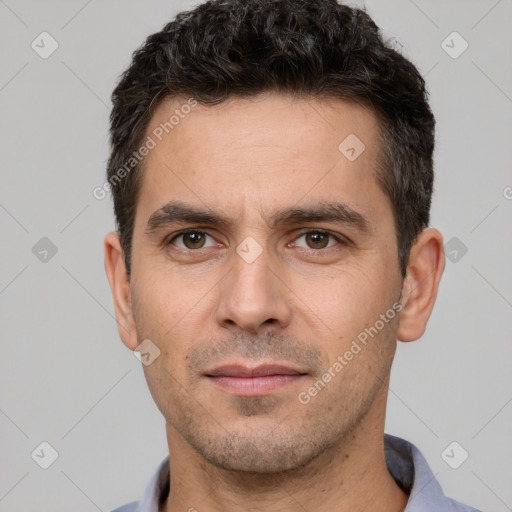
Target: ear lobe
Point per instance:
(424, 271)
(120, 287)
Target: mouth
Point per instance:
(257, 381)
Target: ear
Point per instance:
(419, 291)
(120, 287)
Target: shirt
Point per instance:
(405, 463)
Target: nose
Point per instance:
(253, 296)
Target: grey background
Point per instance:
(65, 376)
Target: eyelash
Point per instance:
(340, 240)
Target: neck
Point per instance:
(350, 476)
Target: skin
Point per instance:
(297, 303)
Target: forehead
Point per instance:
(284, 121)
(251, 153)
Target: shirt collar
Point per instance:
(412, 473)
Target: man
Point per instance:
(271, 171)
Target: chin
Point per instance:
(264, 454)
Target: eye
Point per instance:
(316, 239)
(191, 239)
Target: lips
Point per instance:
(258, 371)
(257, 381)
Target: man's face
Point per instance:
(265, 288)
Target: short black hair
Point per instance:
(312, 49)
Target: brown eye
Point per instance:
(191, 240)
(318, 240)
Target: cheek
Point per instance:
(343, 299)
(167, 295)
(345, 307)
(174, 310)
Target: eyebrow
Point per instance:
(176, 212)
